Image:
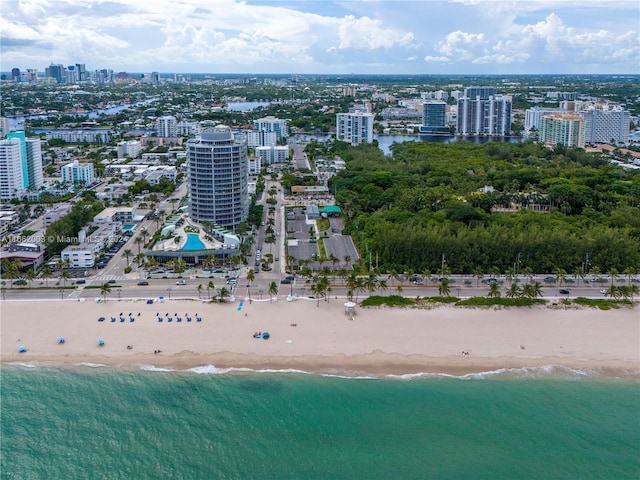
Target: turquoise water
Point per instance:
(106, 423)
(126, 228)
(193, 242)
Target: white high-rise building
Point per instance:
(34, 163)
(562, 129)
(218, 177)
(261, 138)
(602, 124)
(482, 112)
(11, 172)
(167, 126)
(75, 172)
(272, 124)
(273, 154)
(533, 116)
(131, 149)
(355, 127)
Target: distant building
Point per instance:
(34, 163)
(533, 116)
(434, 118)
(605, 123)
(96, 135)
(482, 112)
(355, 127)
(167, 126)
(76, 172)
(124, 215)
(272, 124)
(273, 154)
(11, 169)
(261, 138)
(131, 149)
(562, 129)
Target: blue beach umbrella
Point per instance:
(60, 339)
(100, 342)
(22, 349)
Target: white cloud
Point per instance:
(322, 36)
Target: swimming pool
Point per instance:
(128, 227)
(193, 243)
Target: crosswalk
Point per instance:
(106, 278)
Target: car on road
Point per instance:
(565, 291)
(143, 283)
(285, 281)
(231, 281)
(111, 281)
(492, 280)
(80, 282)
(181, 282)
(603, 291)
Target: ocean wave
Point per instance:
(213, 370)
(152, 368)
(25, 365)
(542, 372)
(90, 365)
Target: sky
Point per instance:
(324, 37)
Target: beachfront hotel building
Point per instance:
(562, 129)
(355, 127)
(76, 172)
(482, 112)
(12, 183)
(218, 175)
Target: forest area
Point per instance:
(484, 206)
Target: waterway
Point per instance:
(17, 123)
(385, 141)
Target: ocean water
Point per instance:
(105, 423)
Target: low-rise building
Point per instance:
(31, 255)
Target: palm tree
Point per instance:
(561, 276)
(578, 274)
(444, 288)
(210, 286)
(223, 293)
(145, 233)
(393, 276)
(273, 290)
(371, 283)
(199, 290)
(347, 259)
(382, 285)
(613, 274)
(629, 272)
(128, 253)
(46, 274)
(138, 241)
(64, 276)
(494, 290)
(251, 276)
(513, 291)
(477, 273)
(399, 289)
(31, 274)
(105, 289)
(633, 290)
(509, 274)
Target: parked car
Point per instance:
(142, 284)
(181, 282)
(565, 291)
(80, 282)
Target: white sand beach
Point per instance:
(321, 339)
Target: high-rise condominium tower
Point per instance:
(218, 177)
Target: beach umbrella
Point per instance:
(100, 342)
(60, 339)
(22, 349)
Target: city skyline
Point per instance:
(367, 37)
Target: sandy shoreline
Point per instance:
(377, 341)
